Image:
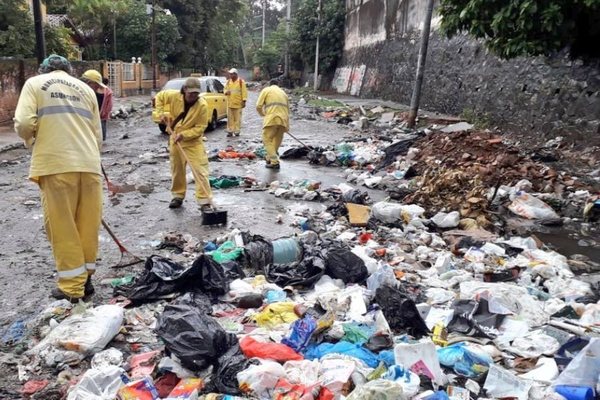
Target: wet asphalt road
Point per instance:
(140, 220)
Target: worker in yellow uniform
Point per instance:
(273, 105)
(58, 115)
(187, 114)
(237, 94)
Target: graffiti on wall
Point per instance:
(349, 79)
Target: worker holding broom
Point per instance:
(186, 115)
(273, 105)
(58, 114)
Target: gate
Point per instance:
(115, 77)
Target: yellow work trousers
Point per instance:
(234, 120)
(199, 161)
(272, 137)
(72, 204)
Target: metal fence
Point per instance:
(146, 72)
(128, 72)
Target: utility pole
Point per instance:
(264, 7)
(40, 45)
(114, 37)
(416, 95)
(286, 67)
(316, 83)
(154, 44)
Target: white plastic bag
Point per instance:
(335, 372)
(85, 333)
(584, 369)
(98, 384)
(534, 344)
(370, 262)
(501, 383)
(408, 354)
(446, 220)
(304, 372)
(260, 380)
(527, 206)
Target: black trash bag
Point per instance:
(197, 339)
(355, 196)
(315, 156)
(160, 277)
(304, 273)
(377, 343)
(258, 253)
(213, 279)
(399, 148)
(345, 265)
(233, 270)
(400, 311)
(474, 318)
(295, 153)
(227, 368)
(197, 300)
(338, 209)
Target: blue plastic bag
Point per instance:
(345, 348)
(274, 296)
(302, 330)
(388, 357)
(464, 361)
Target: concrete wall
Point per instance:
(13, 74)
(551, 96)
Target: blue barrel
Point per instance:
(286, 251)
(575, 392)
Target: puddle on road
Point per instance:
(566, 242)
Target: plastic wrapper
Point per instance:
(186, 389)
(500, 383)
(83, 334)
(228, 251)
(335, 372)
(276, 314)
(302, 329)
(268, 351)
(409, 381)
(345, 265)
(527, 206)
(473, 318)
(228, 366)
(302, 371)
(422, 356)
(400, 312)
(98, 384)
(260, 380)
(379, 389)
(197, 340)
(258, 252)
(463, 360)
(142, 389)
(285, 390)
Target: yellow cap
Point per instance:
(93, 76)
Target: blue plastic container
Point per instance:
(286, 251)
(575, 392)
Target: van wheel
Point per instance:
(214, 122)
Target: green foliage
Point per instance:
(273, 52)
(58, 41)
(479, 119)
(305, 27)
(17, 38)
(134, 33)
(514, 28)
(209, 33)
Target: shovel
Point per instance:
(213, 216)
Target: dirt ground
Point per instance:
(139, 219)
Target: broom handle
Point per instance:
(198, 177)
(298, 140)
(112, 235)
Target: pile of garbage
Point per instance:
(401, 307)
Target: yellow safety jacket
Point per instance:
(273, 105)
(59, 113)
(239, 93)
(195, 122)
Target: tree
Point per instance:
(134, 30)
(305, 28)
(512, 28)
(58, 41)
(17, 38)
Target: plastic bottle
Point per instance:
(286, 251)
(575, 392)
